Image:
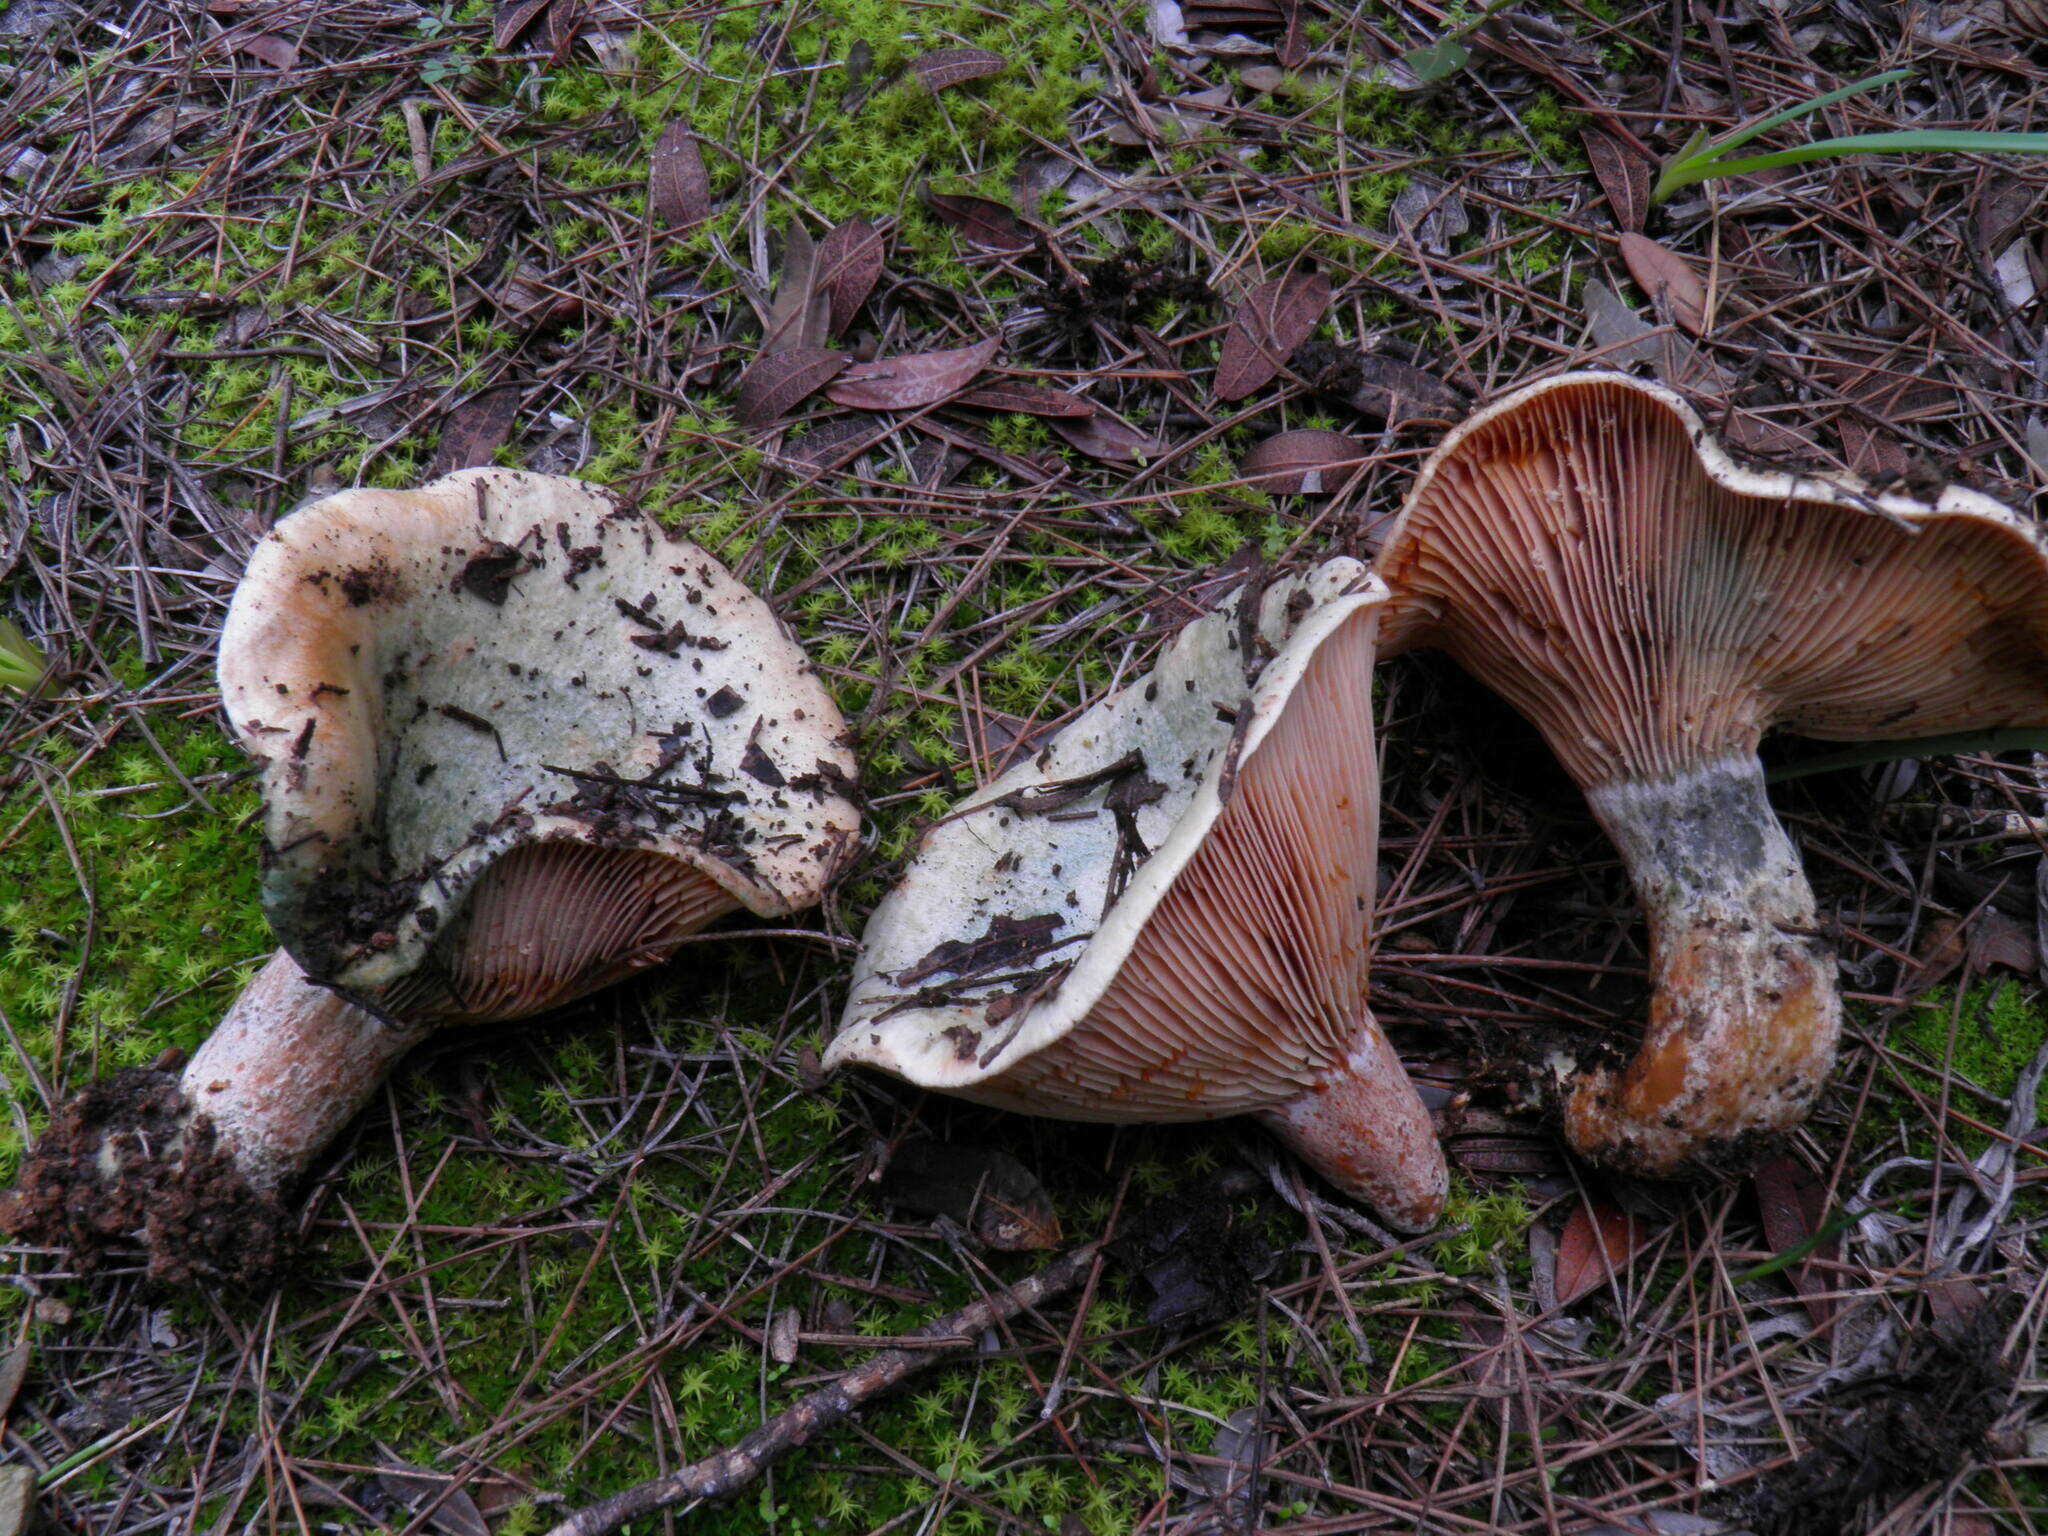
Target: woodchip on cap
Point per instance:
(502, 697)
(1586, 550)
(1163, 915)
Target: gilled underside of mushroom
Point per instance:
(552, 922)
(1654, 611)
(1246, 990)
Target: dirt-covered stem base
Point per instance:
(1744, 1016)
(189, 1168)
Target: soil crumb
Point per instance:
(125, 1164)
(1919, 1424)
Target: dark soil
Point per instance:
(173, 1192)
(1922, 1424)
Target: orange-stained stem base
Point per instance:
(1745, 1016)
(286, 1069)
(1364, 1129)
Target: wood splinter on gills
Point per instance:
(1164, 915)
(1584, 549)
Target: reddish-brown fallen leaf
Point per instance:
(947, 67)
(1271, 321)
(1107, 436)
(775, 383)
(1236, 15)
(1293, 51)
(1599, 1240)
(565, 24)
(678, 186)
(476, 429)
(277, 52)
(1386, 387)
(1305, 460)
(849, 261)
(1794, 1204)
(983, 222)
(1623, 174)
(1668, 278)
(799, 317)
(1027, 400)
(919, 379)
(834, 442)
(533, 300)
(511, 18)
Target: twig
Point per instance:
(723, 1475)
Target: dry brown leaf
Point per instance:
(801, 313)
(947, 67)
(1668, 278)
(476, 429)
(1398, 392)
(512, 18)
(910, 382)
(1624, 175)
(447, 1507)
(849, 261)
(1308, 460)
(277, 52)
(1794, 1204)
(1599, 1240)
(983, 223)
(1271, 321)
(1107, 436)
(776, 383)
(678, 186)
(1027, 400)
(13, 1370)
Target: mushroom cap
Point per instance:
(992, 968)
(1587, 550)
(503, 663)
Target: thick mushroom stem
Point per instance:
(189, 1168)
(1744, 1015)
(287, 1068)
(1364, 1129)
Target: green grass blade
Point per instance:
(1926, 141)
(22, 666)
(1836, 1224)
(1742, 133)
(2009, 739)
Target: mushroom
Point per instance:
(1164, 914)
(515, 744)
(1586, 551)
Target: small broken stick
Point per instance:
(727, 1473)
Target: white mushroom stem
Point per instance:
(1364, 1129)
(1744, 1015)
(286, 1069)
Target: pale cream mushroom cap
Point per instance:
(1164, 915)
(504, 703)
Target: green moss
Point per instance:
(1985, 1040)
(160, 909)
